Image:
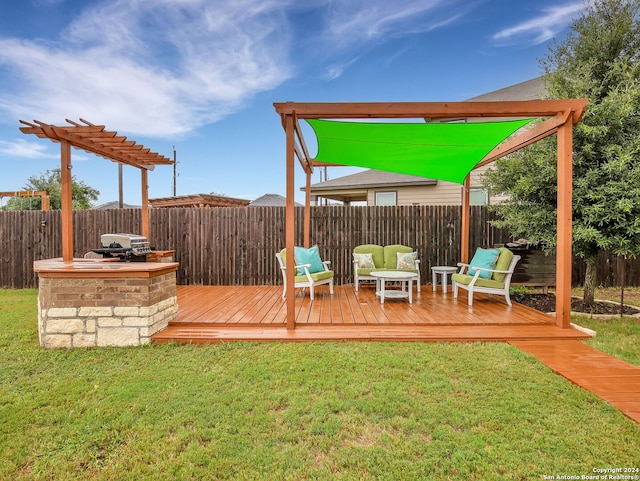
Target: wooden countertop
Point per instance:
(101, 268)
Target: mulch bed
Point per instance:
(547, 303)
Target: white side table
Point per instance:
(444, 271)
(403, 277)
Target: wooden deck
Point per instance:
(210, 314)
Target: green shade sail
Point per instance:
(443, 151)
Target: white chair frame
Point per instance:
(471, 287)
(310, 283)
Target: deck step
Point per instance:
(214, 333)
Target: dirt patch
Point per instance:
(547, 303)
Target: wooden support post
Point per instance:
(466, 215)
(290, 223)
(144, 219)
(67, 201)
(563, 249)
(45, 203)
(307, 212)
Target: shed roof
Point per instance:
(198, 200)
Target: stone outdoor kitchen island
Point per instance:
(97, 302)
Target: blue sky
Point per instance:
(202, 75)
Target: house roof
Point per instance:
(198, 200)
(371, 179)
(270, 200)
(115, 205)
(533, 89)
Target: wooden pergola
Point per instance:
(562, 115)
(104, 143)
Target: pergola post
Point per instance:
(67, 206)
(144, 219)
(290, 223)
(466, 219)
(564, 228)
(307, 212)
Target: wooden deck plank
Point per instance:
(208, 304)
(255, 308)
(268, 307)
(277, 313)
(336, 311)
(615, 381)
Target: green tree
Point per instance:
(599, 60)
(82, 195)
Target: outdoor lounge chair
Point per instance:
(494, 280)
(311, 270)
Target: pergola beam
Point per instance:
(95, 139)
(531, 136)
(431, 110)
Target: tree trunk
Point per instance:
(590, 278)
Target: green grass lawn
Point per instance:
(275, 411)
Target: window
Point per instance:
(386, 198)
(478, 197)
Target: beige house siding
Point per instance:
(443, 193)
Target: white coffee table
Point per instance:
(386, 276)
(444, 271)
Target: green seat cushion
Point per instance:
(504, 261)
(480, 282)
(376, 251)
(316, 276)
(391, 255)
(367, 272)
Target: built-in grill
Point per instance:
(127, 247)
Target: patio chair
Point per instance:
(311, 270)
(475, 278)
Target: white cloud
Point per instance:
(165, 67)
(361, 21)
(153, 68)
(334, 71)
(543, 27)
(23, 149)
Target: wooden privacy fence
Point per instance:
(237, 245)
